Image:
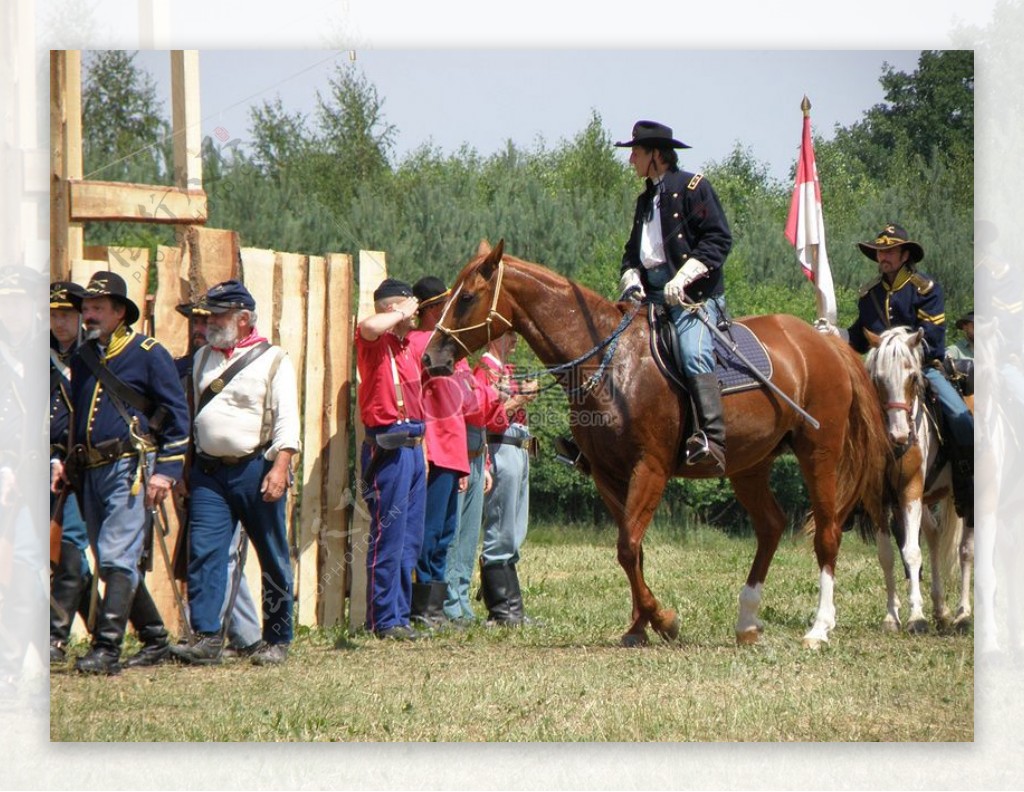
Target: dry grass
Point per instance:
(567, 679)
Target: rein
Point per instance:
(609, 344)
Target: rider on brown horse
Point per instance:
(674, 257)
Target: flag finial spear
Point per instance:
(805, 105)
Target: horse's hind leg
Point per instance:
(768, 519)
(883, 540)
(633, 508)
(937, 559)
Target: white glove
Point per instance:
(691, 270)
(630, 285)
(824, 326)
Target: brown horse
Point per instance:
(630, 425)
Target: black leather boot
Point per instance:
(962, 463)
(66, 594)
(149, 627)
(500, 586)
(418, 609)
(707, 444)
(111, 621)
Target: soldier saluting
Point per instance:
(131, 431)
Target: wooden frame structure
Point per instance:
(304, 304)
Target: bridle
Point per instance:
(492, 314)
(609, 344)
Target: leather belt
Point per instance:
(390, 440)
(110, 451)
(518, 442)
(208, 463)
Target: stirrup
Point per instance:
(697, 448)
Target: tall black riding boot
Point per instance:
(500, 586)
(435, 602)
(707, 443)
(149, 627)
(111, 621)
(66, 593)
(963, 483)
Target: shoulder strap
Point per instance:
(114, 385)
(399, 399)
(268, 411)
(217, 385)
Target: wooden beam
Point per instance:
(171, 328)
(65, 158)
(311, 512)
(337, 419)
(186, 120)
(372, 270)
(145, 203)
(212, 257)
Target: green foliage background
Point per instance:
(331, 182)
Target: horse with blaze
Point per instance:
(633, 446)
(921, 477)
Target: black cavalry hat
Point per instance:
(651, 133)
(230, 295)
(430, 290)
(108, 284)
(889, 237)
(61, 293)
(390, 287)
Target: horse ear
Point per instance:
(916, 338)
(490, 263)
(873, 339)
(483, 248)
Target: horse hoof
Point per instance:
(671, 632)
(813, 643)
(748, 637)
(962, 622)
(633, 640)
(917, 627)
(891, 626)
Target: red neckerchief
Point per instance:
(250, 340)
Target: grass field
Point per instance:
(567, 679)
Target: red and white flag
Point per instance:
(805, 226)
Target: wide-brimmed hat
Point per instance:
(651, 133)
(230, 295)
(430, 290)
(968, 317)
(61, 293)
(108, 284)
(390, 287)
(889, 237)
(18, 279)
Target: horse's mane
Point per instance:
(893, 350)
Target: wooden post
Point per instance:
(333, 567)
(372, 270)
(186, 118)
(311, 508)
(65, 158)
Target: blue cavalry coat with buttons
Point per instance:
(913, 300)
(693, 225)
(147, 367)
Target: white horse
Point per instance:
(920, 481)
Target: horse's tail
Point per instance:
(861, 475)
(951, 531)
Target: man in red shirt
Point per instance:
(393, 460)
(447, 461)
(507, 507)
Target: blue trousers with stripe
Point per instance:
(395, 495)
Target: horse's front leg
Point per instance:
(911, 552)
(633, 511)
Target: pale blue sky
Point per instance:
(712, 99)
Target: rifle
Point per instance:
(57, 525)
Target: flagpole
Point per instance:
(819, 298)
